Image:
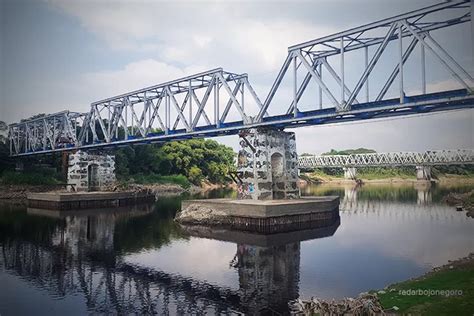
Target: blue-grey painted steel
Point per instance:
(212, 103)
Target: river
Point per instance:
(137, 260)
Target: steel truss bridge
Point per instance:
(218, 102)
(428, 158)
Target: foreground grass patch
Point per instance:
(413, 296)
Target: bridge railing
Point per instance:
(428, 158)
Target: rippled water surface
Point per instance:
(137, 260)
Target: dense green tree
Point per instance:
(197, 159)
(350, 151)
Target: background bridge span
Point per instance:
(428, 158)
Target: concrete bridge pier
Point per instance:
(350, 173)
(267, 165)
(423, 173)
(90, 172)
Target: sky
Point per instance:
(57, 54)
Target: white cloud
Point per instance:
(215, 34)
(133, 76)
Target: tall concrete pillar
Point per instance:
(423, 173)
(350, 173)
(267, 165)
(90, 172)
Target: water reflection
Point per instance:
(268, 265)
(138, 260)
(75, 253)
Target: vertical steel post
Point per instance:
(10, 137)
(400, 61)
(242, 103)
(145, 108)
(44, 135)
(108, 121)
(342, 73)
(26, 137)
(132, 117)
(216, 102)
(167, 112)
(319, 87)
(295, 86)
(126, 119)
(54, 132)
(423, 71)
(190, 90)
(366, 53)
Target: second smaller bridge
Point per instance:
(422, 160)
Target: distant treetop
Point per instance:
(349, 152)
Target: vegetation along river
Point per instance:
(138, 260)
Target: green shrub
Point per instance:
(195, 175)
(152, 178)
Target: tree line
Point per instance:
(195, 160)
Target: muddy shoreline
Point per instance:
(19, 192)
(444, 180)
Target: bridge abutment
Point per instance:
(423, 172)
(268, 165)
(350, 173)
(90, 172)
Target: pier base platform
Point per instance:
(263, 216)
(86, 200)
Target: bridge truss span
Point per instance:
(217, 102)
(393, 159)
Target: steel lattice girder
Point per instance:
(415, 25)
(108, 115)
(133, 118)
(428, 158)
(48, 132)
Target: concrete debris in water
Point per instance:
(365, 304)
(462, 201)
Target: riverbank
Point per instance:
(19, 192)
(446, 290)
(462, 202)
(447, 179)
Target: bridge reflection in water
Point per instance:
(82, 253)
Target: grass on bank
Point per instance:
(385, 173)
(374, 173)
(459, 278)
